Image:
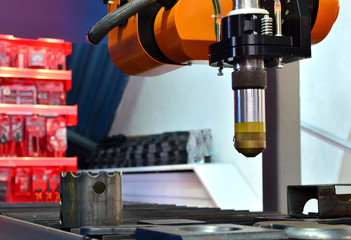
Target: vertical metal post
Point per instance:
(269, 157)
(281, 159)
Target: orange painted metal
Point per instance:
(127, 52)
(185, 32)
(328, 11)
(186, 38)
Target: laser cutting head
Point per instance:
(249, 111)
(249, 81)
(252, 42)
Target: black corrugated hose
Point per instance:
(97, 32)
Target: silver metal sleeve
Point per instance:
(249, 105)
(249, 63)
(240, 4)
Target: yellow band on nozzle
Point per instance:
(245, 127)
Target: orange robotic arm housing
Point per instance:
(159, 40)
(328, 11)
(182, 34)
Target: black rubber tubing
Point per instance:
(97, 32)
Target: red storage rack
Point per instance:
(32, 179)
(33, 118)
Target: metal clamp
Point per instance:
(330, 204)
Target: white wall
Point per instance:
(189, 98)
(326, 100)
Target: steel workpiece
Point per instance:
(91, 200)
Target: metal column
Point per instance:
(282, 158)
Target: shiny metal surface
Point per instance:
(208, 229)
(309, 230)
(249, 105)
(208, 232)
(218, 5)
(278, 24)
(240, 4)
(278, 18)
(249, 63)
(332, 232)
(91, 200)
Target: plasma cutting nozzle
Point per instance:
(250, 127)
(249, 85)
(250, 138)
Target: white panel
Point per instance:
(318, 160)
(206, 185)
(326, 100)
(166, 188)
(228, 188)
(189, 98)
(164, 185)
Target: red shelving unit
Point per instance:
(33, 118)
(38, 161)
(38, 74)
(32, 179)
(70, 112)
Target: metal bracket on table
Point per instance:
(330, 204)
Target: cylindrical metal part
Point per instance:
(218, 20)
(249, 83)
(278, 18)
(241, 4)
(278, 24)
(249, 63)
(91, 200)
(250, 127)
(249, 105)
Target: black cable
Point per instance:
(97, 32)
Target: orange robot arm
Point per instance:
(160, 40)
(327, 13)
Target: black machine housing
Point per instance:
(241, 36)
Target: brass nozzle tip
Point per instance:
(250, 138)
(250, 144)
